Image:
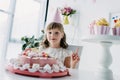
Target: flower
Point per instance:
(67, 11)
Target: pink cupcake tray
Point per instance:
(38, 74)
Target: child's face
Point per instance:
(54, 37)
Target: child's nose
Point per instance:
(52, 35)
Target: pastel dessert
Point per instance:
(116, 29)
(102, 22)
(100, 27)
(41, 64)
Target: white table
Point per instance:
(105, 58)
(76, 74)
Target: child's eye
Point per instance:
(49, 32)
(56, 32)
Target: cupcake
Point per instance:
(100, 27)
(116, 29)
(91, 27)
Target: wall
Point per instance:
(90, 10)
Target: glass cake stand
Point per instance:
(105, 58)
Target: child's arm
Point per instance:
(75, 58)
(71, 61)
(67, 62)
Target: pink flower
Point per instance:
(67, 11)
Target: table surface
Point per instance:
(76, 74)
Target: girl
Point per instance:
(54, 44)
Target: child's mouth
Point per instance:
(53, 39)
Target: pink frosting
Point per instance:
(38, 60)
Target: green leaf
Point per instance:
(24, 46)
(36, 44)
(31, 42)
(26, 40)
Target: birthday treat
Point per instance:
(31, 62)
(116, 29)
(99, 27)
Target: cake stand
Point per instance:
(37, 73)
(105, 58)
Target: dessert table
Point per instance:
(76, 74)
(105, 58)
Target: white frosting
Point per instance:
(41, 70)
(55, 68)
(40, 54)
(50, 71)
(26, 66)
(36, 66)
(12, 61)
(63, 68)
(32, 70)
(47, 67)
(17, 64)
(21, 68)
(31, 54)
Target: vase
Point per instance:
(65, 20)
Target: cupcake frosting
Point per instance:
(102, 22)
(117, 24)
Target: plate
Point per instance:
(38, 74)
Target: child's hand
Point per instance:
(75, 58)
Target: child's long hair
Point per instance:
(59, 26)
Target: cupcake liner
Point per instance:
(116, 31)
(101, 30)
(96, 30)
(107, 30)
(92, 30)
